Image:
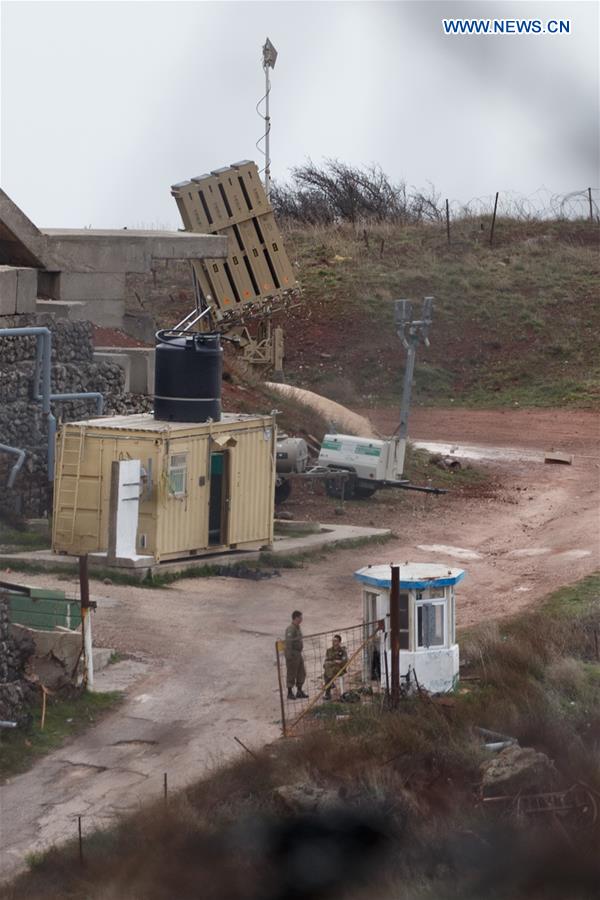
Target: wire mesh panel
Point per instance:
(232, 202)
(336, 675)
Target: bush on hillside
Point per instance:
(338, 192)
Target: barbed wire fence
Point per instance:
(334, 192)
(541, 204)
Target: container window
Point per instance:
(177, 474)
(431, 625)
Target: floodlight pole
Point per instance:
(412, 332)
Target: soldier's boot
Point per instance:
(300, 695)
(291, 695)
(328, 694)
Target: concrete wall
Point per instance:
(18, 290)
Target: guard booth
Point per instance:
(428, 645)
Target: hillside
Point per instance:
(372, 801)
(516, 323)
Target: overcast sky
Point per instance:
(104, 105)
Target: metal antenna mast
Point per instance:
(269, 56)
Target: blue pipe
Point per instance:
(17, 466)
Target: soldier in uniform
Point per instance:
(335, 658)
(294, 661)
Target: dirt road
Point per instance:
(208, 643)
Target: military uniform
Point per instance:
(335, 659)
(294, 661)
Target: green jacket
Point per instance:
(335, 659)
(293, 640)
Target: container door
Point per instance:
(219, 499)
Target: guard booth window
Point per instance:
(403, 621)
(178, 474)
(430, 624)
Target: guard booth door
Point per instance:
(218, 500)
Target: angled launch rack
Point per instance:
(232, 202)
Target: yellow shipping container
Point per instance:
(205, 486)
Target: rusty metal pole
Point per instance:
(80, 836)
(280, 688)
(448, 221)
(591, 204)
(395, 634)
(494, 220)
(86, 623)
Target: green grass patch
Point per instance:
(12, 539)
(65, 718)
(572, 600)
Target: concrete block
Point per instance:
(136, 362)
(142, 361)
(93, 251)
(26, 290)
(556, 456)
(101, 657)
(119, 358)
(105, 313)
(90, 286)
(8, 291)
(60, 309)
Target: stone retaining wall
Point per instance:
(16, 693)
(22, 423)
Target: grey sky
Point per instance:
(106, 104)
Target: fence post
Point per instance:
(86, 623)
(80, 840)
(494, 220)
(395, 634)
(283, 727)
(591, 204)
(448, 220)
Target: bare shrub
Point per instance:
(338, 192)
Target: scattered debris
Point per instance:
(448, 463)
(306, 797)
(516, 769)
(576, 808)
(495, 741)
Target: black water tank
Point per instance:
(187, 380)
